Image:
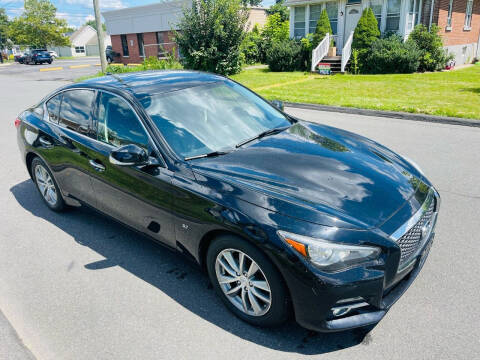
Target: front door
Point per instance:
(140, 197)
(353, 13)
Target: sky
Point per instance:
(77, 12)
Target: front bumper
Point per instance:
(315, 311)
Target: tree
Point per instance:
(279, 8)
(210, 33)
(3, 28)
(93, 24)
(38, 26)
(323, 27)
(366, 31)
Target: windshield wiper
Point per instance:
(210, 154)
(262, 134)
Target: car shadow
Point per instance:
(175, 276)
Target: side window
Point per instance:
(53, 108)
(117, 123)
(75, 110)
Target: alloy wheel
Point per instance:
(243, 282)
(46, 185)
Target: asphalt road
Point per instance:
(79, 286)
(70, 69)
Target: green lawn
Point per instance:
(453, 93)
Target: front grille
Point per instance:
(412, 239)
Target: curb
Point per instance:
(387, 114)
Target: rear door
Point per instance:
(67, 150)
(141, 197)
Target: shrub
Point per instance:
(210, 33)
(306, 44)
(279, 8)
(390, 55)
(284, 55)
(366, 31)
(323, 27)
(275, 30)
(433, 57)
(251, 46)
(150, 63)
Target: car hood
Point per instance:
(318, 173)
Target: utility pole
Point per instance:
(100, 34)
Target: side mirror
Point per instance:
(278, 104)
(129, 155)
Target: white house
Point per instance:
(84, 42)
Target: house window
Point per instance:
(332, 11)
(352, 2)
(141, 49)
(124, 45)
(413, 14)
(299, 22)
(315, 11)
(393, 15)
(468, 15)
(449, 16)
(80, 49)
(376, 6)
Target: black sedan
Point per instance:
(287, 217)
(37, 56)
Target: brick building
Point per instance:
(144, 31)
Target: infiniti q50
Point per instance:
(287, 217)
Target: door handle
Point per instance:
(46, 143)
(97, 166)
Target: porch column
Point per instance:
(307, 19)
(292, 19)
(383, 21)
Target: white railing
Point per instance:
(320, 51)
(346, 52)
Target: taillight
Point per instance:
(17, 122)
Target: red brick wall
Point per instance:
(458, 36)
(148, 39)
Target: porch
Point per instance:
(398, 16)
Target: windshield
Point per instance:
(212, 117)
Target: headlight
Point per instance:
(329, 256)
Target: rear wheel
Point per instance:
(46, 185)
(248, 283)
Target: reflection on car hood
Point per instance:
(345, 176)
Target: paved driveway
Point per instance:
(79, 286)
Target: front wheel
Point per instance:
(248, 283)
(46, 185)
(49, 62)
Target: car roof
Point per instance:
(146, 83)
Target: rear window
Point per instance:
(75, 110)
(53, 107)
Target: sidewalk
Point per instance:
(11, 346)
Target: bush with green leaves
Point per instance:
(210, 33)
(251, 46)
(391, 55)
(150, 63)
(306, 53)
(433, 56)
(279, 8)
(284, 55)
(323, 27)
(366, 31)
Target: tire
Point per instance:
(41, 174)
(49, 62)
(109, 60)
(269, 314)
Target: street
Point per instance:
(77, 285)
(63, 69)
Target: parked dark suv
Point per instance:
(37, 56)
(286, 216)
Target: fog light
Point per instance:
(345, 308)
